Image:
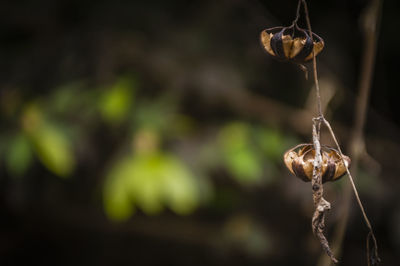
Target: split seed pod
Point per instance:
(291, 43)
(300, 162)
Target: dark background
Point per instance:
(188, 80)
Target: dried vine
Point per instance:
(310, 163)
(321, 205)
(370, 26)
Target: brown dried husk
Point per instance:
(300, 163)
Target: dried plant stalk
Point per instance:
(321, 205)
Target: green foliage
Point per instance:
(249, 153)
(157, 114)
(51, 145)
(53, 149)
(272, 143)
(19, 155)
(150, 180)
(69, 98)
(116, 101)
(239, 155)
(117, 200)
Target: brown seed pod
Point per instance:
(291, 43)
(299, 161)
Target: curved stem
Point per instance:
(297, 13)
(321, 205)
(317, 164)
(371, 22)
(319, 108)
(374, 256)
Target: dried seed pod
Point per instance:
(300, 162)
(291, 43)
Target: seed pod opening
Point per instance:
(299, 160)
(291, 43)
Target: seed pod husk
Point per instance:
(300, 161)
(291, 43)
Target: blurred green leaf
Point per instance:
(150, 181)
(156, 114)
(180, 189)
(19, 155)
(53, 149)
(73, 100)
(272, 142)
(68, 97)
(245, 165)
(239, 155)
(145, 183)
(117, 201)
(182, 125)
(116, 101)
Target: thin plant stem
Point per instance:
(371, 23)
(297, 13)
(321, 205)
(316, 82)
(317, 164)
(367, 222)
